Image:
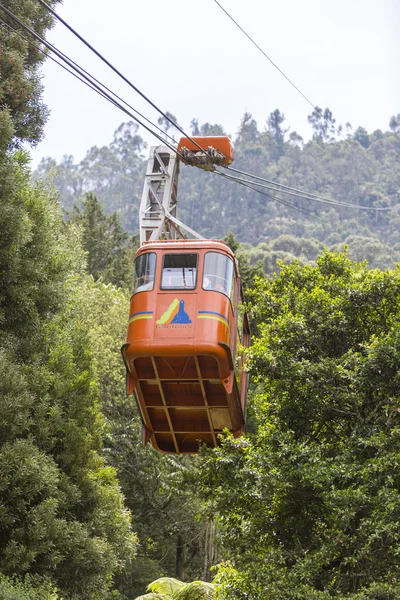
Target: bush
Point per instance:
(29, 589)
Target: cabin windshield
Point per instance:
(144, 272)
(179, 272)
(218, 273)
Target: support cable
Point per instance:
(89, 80)
(318, 110)
(83, 74)
(82, 39)
(47, 55)
(279, 200)
(302, 194)
(262, 52)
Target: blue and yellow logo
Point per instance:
(175, 314)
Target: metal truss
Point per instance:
(158, 206)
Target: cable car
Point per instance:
(185, 343)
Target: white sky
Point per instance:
(192, 61)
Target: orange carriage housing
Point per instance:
(185, 342)
(221, 148)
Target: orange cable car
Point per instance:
(185, 342)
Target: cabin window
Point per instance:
(144, 272)
(179, 272)
(218, 273)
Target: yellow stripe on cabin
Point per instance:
(140, 317)
(215, 319)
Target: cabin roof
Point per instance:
(186, 244)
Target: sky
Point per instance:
(190, 59)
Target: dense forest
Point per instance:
(304, 506)
(351, 167)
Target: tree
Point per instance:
(29, 589)
(206, 128)
(62, 513)
(379, 255)
(22, 113)
(274, 123)
(308, 505)
(110, 249)
(394, 123)
(65, 176)
(172, 540)
(248, 131)
(361, 135)
(128, 145)
(168, 123)
(63, 522)
(295, 139)
(323, 124)
(114, 173)
(215, 205)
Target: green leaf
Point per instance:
(165, 585)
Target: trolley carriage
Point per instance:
(186, 333)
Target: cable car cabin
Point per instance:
(185, 341)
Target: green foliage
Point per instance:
(115, 174)
(323, 125)
(62, 516)
(274, 123)
(33, 263)
(197, 590)
(327, 165)
(206, 128)
(308, 504)
(378, 254)
(361, 136)
(394, 123)
(28, 589)
(166, 585)
(166, 123)
(152, 596)
(109, 249)
(335, 168)
(22, 114)
(168, 588)
(153, 484)
(229, 582)
(62, 513)
(163, 509)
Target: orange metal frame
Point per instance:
(183, 373)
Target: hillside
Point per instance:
(352, 167)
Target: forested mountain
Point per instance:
(352, 167)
